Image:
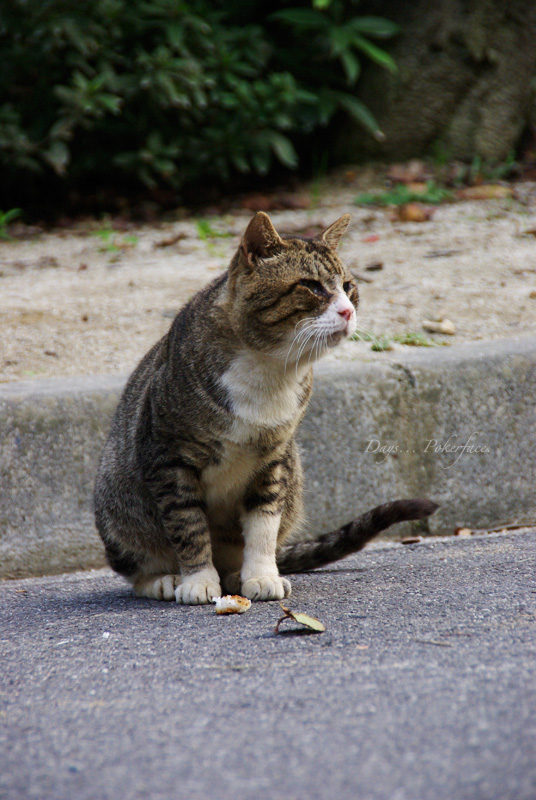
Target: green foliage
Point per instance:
(112, 243)
(401, 194)
(385, 341)
(5, 218)
(171, 91)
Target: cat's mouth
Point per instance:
(334, 338)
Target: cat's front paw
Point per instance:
(198, 588)
(266, 588)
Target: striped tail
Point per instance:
(304, 556)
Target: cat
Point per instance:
(200, 484)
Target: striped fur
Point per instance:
(200, 481)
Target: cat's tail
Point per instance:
(304, 556)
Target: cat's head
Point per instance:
(291, 296)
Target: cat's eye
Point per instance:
(348, 286)
(313, 286)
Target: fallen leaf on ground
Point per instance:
(170, 240)
(489, 191)
(414, 212)
(313, 624)
(441, 326)
(415, 171)
(275, 202)
(463, 532)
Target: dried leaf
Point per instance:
(415, 171)
(441, 326)
(275, 202)
(463, 532)
(414, 212)
(489, 191)
(376, 267)
(313, 624)
(170, 240)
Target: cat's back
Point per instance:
(171, 379)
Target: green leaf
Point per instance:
(7, 216)
(57, 156)
(284, 149)
(375, 53)
(351, 65)
(375, 26)
(327, 105)
(302, 18)
(359, 112)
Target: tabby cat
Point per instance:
(200, 482)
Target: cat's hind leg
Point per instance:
(193, 589)
(157, 587)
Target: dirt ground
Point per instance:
(93, 297)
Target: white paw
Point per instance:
(199, 587)
(266, 588)
(157, 587)
(232, 583)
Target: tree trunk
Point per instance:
(464, 81)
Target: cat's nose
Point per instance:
(346, 313)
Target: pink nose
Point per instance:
(346, 313)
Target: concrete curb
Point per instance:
(374, 431)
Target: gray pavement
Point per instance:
(422, 687)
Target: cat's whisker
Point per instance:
(300, 339)
(311, 332)
(305, 342)
(366, 337)
(302, 321)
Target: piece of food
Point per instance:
(231, 604)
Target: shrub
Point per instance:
(171, 92)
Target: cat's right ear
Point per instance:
(260, 239)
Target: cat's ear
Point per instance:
(260, 239)
(333, 234)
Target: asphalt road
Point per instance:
(422, 687)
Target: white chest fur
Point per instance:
(262, 392)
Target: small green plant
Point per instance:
(384, 341)
(205, 231)
(483, 170)
(6, 217)
(111, 243)
(381, 344)
(416, 340)
(401, 194)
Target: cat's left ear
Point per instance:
(334, 233)
(260, 239)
